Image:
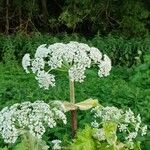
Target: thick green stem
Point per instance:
(72, 93)
(73, 112)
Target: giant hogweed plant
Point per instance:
(73, 58)
(29, 120)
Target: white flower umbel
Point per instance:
(73, 57)
(128, 125)
(33, 117)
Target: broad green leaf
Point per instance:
(110, 132)
(84, 140)
(20, 146)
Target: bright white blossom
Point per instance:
(104, 66)
(26, 62)
(144, 130)
(73, 57)
(45, 79)
(123, 127)
(129, 116)
(107, 113)
(32, 117)
(41, 51)
(95, 55)
(95, 124)
(100, 135)
(37, 65)
(76, 73)
(56, 144)
(131, 136)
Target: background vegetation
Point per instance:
(129, 18)
(120, 29)
(124, 52)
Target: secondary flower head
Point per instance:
(32, 117)
(126, 124)
(72, 57)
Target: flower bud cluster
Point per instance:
(73, 57)
(32, 117)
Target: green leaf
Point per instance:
(84, 140)
(5, 148)
(104, 146)
(137, 146)
(110, 129)
(31, 143)
(20, 146)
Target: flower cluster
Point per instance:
(56, 144)
(125, 123)
(31, 117)
(73, 57)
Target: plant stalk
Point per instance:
(73, 112)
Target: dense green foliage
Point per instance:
(84, 140)
(128, 17)
(120, 50)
